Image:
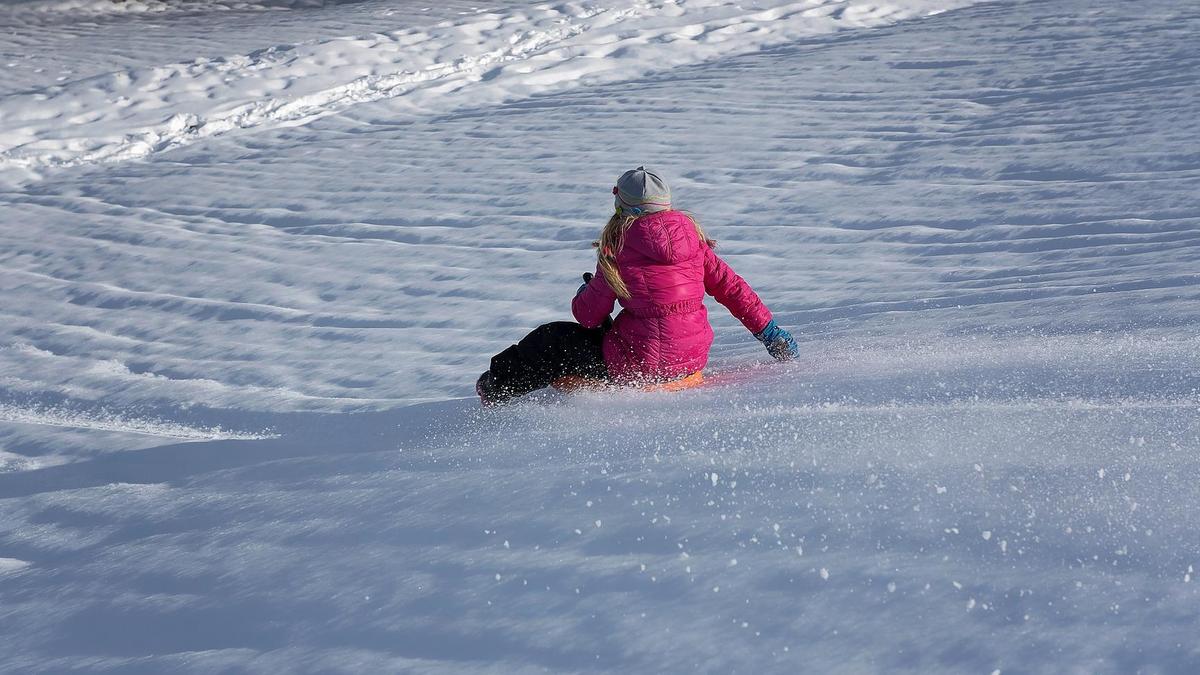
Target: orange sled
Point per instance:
(570, 383)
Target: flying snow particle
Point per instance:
(825, 574)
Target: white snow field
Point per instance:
(254, 253)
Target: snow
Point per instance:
(8, 565)
(255, 254)
(489, 57)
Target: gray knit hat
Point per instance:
(641, 191)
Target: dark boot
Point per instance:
(489, 393)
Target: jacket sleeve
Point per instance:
(732, 291)
(595, 303)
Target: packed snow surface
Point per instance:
(256, 252)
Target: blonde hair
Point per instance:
(612, 240)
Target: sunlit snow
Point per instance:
(255, 253)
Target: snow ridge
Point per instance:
(106, 420)
(140, 111)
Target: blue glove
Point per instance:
(587, 279)
(780, 343)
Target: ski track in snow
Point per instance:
(983, 227)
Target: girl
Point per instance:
(658, 264)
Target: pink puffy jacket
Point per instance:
(663, 330)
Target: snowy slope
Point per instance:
(492, 55)
(235, 423)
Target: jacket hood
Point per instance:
(665, 237)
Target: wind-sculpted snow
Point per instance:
(43, 37)
(1013, 506)
(492, 56)
(77, 8)
(387, 256)
(236, 429)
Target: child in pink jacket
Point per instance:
(657, 263)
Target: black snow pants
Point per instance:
(550, 351)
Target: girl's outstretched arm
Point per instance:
(732, 291)
(594, 302)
